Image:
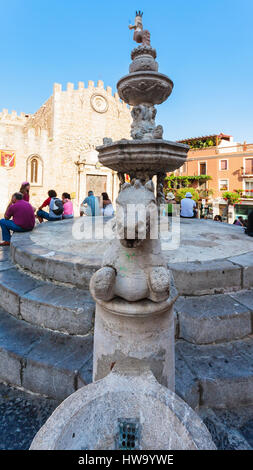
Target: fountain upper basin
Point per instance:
(153, 156)
(144, 87)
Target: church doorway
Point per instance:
(96, 183)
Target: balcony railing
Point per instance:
(247, 194)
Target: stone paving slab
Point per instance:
(224, 371)
(21, 416)
(213, 318)
(42, 361)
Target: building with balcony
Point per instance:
(230, 165)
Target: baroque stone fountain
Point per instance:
(131, 403)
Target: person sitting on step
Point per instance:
(55, 208)
(23, 217)
(68, 211)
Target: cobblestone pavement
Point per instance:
(21, 416)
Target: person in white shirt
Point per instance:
(187, 206)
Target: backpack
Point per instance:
(57, 206)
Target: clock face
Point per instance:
(99, 103)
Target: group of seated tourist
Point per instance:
(24, 215)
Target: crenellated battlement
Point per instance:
(91, 87)
(13, 117)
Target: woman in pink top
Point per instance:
(68, 211)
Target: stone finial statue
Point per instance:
(140, 36)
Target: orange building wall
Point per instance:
(233, 173)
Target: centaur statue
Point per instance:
(140, 36)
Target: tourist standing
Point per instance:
(68, 211)
(92, 205)
(188, 207)
(23, 217)
(170, 199)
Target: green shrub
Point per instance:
(180, 194)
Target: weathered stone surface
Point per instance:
(225, 371)
(16, 340)
(166, 422)
(58, 308)
(143, 330)
(63, 268)
(223, 434)
(45, 304)
(198, 278)
(187, 386)
(42, 361)
(4, 254)
(52, 367)
(212, 318)
(6, 265)
(13, 283)
(244, 297)
(246, 261)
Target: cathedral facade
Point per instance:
(54, 148)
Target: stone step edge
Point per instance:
(22, 297)
(52, 268)
(208, 391)
(192, 394)
(23, 366)
(191, 390)
(237, 275)
(224, 275)
(212, 338)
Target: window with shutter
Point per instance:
(223, 164)
(249, 166)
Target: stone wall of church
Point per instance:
(65, 130)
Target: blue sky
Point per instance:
(206, 48)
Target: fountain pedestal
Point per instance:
(142, 330)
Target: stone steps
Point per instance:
(42, 361)
(215, 318)
(218, 375)
(55, 365)
(44, 304)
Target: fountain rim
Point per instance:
(124, 143)
(148, 73)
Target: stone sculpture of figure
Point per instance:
(143, 125)
(133, 266)
(140, 35)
